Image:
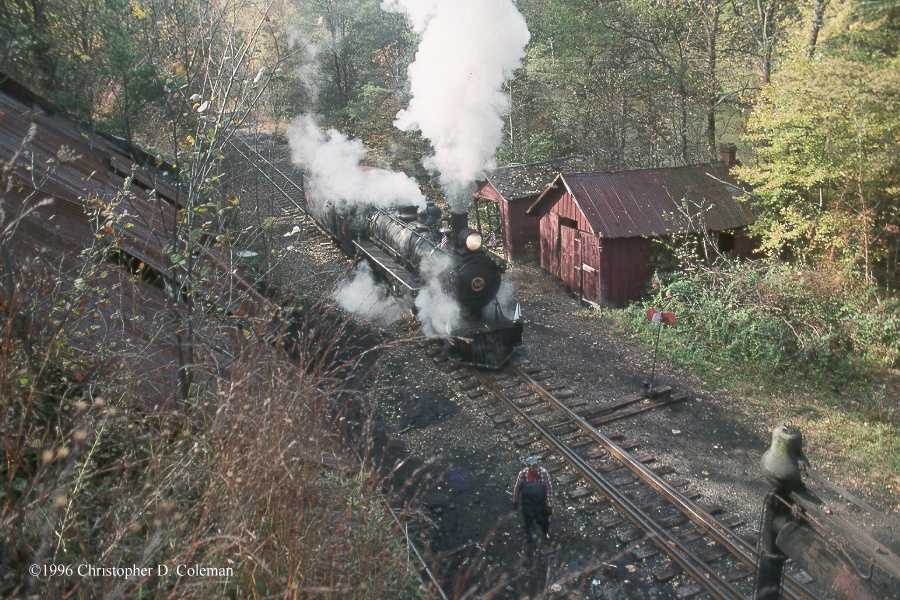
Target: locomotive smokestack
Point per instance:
(458, 222)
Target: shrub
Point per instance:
(773, 317)
(230, 477)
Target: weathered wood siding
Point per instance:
(624, 269)
(590, 266)
(567, 244)
(520, 230)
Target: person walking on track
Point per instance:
(533, 493)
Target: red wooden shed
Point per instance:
(503, 197)
(595, 228)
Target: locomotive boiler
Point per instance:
(410, 250)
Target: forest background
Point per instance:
(808, 90)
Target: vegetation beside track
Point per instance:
(231, 478)
(809, 345)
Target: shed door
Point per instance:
(590, 266)
(568, 270)
(550, 244)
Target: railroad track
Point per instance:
(644, 506)
(588, 464)
(292, 208)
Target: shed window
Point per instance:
(564, 222)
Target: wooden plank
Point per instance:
(388, 265)
(126, 168)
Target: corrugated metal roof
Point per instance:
(649, 202)
(104, 168)
(524, 180)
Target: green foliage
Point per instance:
(352, 48)
(88, 56)
(827, 170)
(809, 345)
(773, 319)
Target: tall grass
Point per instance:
(779, 319)
(813, 345)
(233, 478)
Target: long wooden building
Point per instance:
(595, 228)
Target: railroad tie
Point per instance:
(523, 442)
(712, 553)
(644, 551)
(553, 386)
(516, 395)
(555, 467)
(663, 470)
(566, 479)
(538, 410)
(666, 572)
(734, 522)
(469, 384)
(672, 520)
(659, 392)
(644, 457)
(527, 401)
(737, 574)
(713, 509)
(580, 492)
(688, 591)
(679, 483)
(610, 521)
(500, 419)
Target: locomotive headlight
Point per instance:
(473, 241)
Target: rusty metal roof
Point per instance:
(650, 202)
(518, 181)
(47, 154)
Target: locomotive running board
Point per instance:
(388, 265)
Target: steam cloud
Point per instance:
(334, 171)
(468, 49)
(437, 311)
(362, 297)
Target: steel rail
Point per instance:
(739, 548)
(278, 187)
(276, 169)
(266, 175)
(428, 574)
(656, 534)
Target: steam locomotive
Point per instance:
(410, 251)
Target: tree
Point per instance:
(357, 49)
(827, 138)
(766, 22)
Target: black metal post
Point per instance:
(770, 564)
(655, 348)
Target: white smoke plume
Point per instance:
(468, 49)
(362, 297)
(437, 311)
(334, 171)
(307, 71)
